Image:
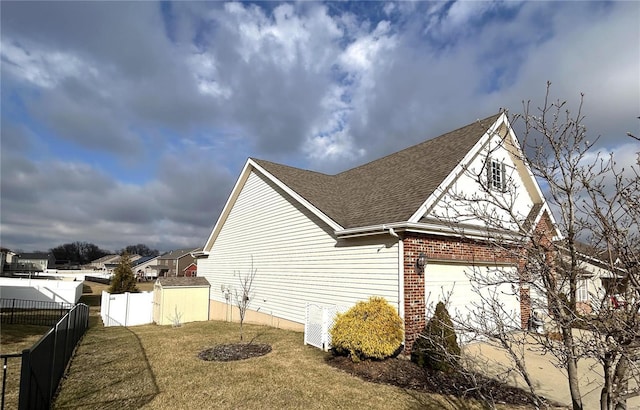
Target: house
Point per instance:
(112, 263)
(33, 262)
(174, 263)
(383, 228)
(6, 259)
(101, 263)
(601, 282)
(190, 271)
(143, 267)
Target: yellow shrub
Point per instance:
(370, 329)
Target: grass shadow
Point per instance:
(91, 300)
(133, 382)
(17, 334)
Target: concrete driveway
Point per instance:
(549, 380)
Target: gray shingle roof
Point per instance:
(389, 189)
(177, 253)
(183, 281)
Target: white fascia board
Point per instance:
(545, 209)
(457, 171)
(228, 205)
(425, 228)
(333, 224)
(369, 230)
(529, 174)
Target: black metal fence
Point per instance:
(32, 312)
(43, 365)
(5, 365)
(98, 279)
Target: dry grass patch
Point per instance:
(14, 339)
(157, 367)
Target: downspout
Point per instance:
(400, 271)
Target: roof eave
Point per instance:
(439, 229)
(199, 254)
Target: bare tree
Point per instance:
(244, 294)
(593, 231)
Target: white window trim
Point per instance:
(496, 175)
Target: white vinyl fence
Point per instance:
(318, 321)
(41, 290)
(126, 309)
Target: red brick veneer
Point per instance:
(441, 248)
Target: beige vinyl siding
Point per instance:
(296, 255)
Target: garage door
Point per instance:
(470, 301)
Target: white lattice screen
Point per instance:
(318, 321)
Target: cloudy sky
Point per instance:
(128, 122)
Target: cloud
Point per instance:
(71, 201)
(138, 116)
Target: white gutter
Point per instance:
(426, 228)
(199, 254)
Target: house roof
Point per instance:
(34, 255)
(183, 282)
(380, 191)
(105, 258)
(142, 260)
(178, 253)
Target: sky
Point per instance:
(129, 122)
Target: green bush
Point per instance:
(437, 347)
(369, 330)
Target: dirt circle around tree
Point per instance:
(234, 351)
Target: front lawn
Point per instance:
(158, 367)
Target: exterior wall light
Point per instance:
(421, 262)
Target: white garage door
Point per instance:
(473, 302)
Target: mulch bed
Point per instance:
(234, 351)
(406, 374)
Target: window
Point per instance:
(496, 175)
(582, 291)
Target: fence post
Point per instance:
(126, 310)
(25, 380)
(13, 308)
(325, 329)
(52, 364)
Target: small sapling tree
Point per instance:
(243, 294)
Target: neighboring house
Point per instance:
(599, 284)
(6, 259)
(372, 230)
(190, 271)
(174, 263)
(114, 262)
(33, 262)
(100, 263)
(143, 267)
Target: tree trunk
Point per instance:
(572, 369)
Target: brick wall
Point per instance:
(437, 248)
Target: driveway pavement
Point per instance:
(549, 380)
